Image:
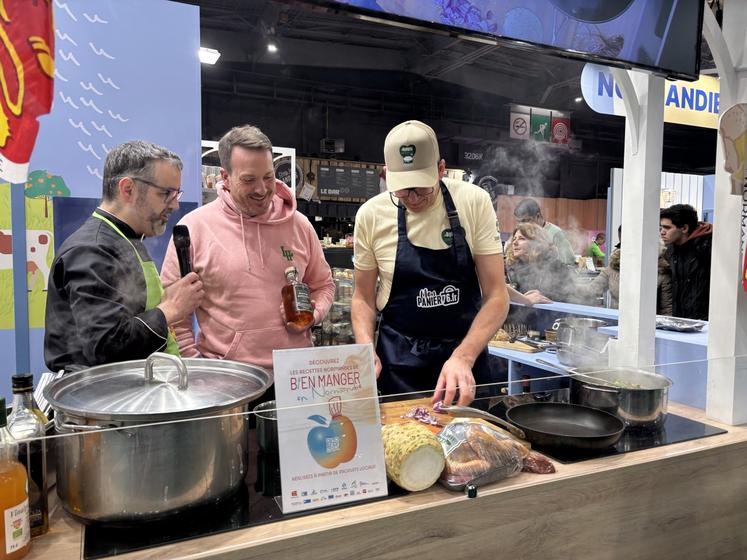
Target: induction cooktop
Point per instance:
(675, 429)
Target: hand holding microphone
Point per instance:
(182, 242)
(182, 297)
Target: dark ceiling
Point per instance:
(333, 61)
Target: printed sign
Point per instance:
(329, 426)
(733, 129)
(540, 126)
(691, 103)
(284, 171)
(519, 126)
(561, 130)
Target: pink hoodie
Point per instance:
(241, 262)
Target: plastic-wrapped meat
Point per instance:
(421, 414)
(538, 464)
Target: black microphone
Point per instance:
(181, 242)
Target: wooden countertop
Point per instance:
(351, 532)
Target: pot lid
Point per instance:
(163, 387)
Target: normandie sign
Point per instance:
(690, 103)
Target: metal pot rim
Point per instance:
(139, 397)
(587, 377)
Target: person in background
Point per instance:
(529, 211)
(105, 301)
(595, 250)
(532, 263)
(241, 244)
(432, 244)
(688, 252)
(609, 279)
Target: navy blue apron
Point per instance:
(435, 296)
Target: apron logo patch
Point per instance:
(287, 253)
(431, 298)
(407, 153)
(448, 237)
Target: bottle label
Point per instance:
(17, 533)
(302, 296)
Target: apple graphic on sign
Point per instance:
(334, 442)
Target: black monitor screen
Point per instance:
(659, 35)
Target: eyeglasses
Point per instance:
(169, 195)
(419, 192)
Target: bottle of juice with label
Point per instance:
(26, 422)
(15, 534)
(297, 300)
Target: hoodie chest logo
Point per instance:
(287, 253)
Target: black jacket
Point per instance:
(96, 300)
(691, 274)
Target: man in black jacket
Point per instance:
(105, 301)
(689, 254)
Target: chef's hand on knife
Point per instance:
(455, 374)
(181, 298)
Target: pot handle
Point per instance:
(60, 425)
(176, 360)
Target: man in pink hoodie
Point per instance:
(240, 245)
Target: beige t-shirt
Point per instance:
(376, 230)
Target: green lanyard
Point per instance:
(153, 286)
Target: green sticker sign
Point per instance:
(540, 127)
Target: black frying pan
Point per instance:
(552, 424)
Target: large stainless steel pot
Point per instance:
(579, 342)
(638, 397)
(181, 437)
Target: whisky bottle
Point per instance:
(296, 300)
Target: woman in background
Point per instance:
(532, 264)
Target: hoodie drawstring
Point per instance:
(259, 244)
(243, 243)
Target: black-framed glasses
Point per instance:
(169, 195)
(419, 192)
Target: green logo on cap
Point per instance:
(407, 153)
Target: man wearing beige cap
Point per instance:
(432, 244)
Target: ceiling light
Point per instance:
(579, 99)
(272, 48)
(209, 56)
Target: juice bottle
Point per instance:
(15, 535)
(26, 422)
(296, 300)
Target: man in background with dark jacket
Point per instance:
(688, 244)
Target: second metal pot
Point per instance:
(579, 342)
(267, 426)
(638, 397)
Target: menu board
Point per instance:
(345, 181)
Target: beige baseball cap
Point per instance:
(411, 156)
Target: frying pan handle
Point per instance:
(477, 413)
(175, 360)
